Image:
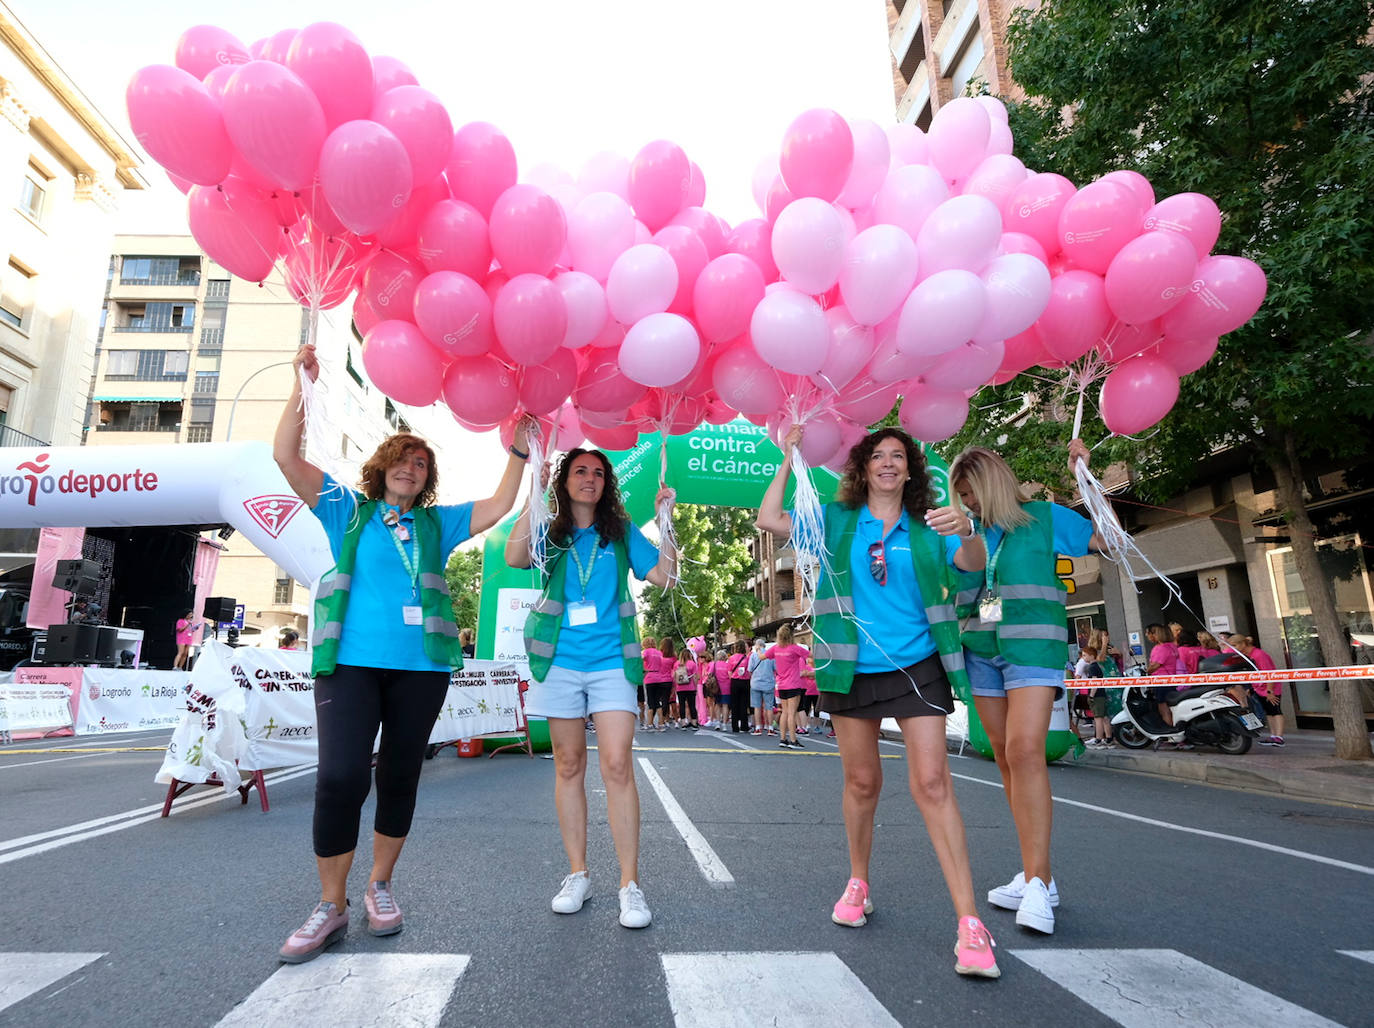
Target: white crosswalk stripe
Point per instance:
(765, 984)
(338, 990)
(1163, 988)
(1367, 955)
(23, 974)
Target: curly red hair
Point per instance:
(388, 455)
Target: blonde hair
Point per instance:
(785, 635)
(1097, 640)
(999, 493)
(1208, 640)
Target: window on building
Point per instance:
(207, 382)
(198, 433)
(348, 358)
(283, 590)
(217, 289)
(183, 315)
(121, 363)
(157, 317)
(16, 294)
(33, 193)
(175, 363)
(139, 416)
(160, 271)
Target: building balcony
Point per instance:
(786, 562)
(917, 95)
(13, 437)
(211, 340)
(181, 329)
(167, 278)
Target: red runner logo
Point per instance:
(273, 513)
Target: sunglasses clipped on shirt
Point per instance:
(877, 563)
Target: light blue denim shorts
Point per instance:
(765, 698)
(993, 677)
(568, 693)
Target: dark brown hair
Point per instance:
(387, 456)
(917, 497)
(610, 511)
(667, 648)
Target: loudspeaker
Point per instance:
(78, 577)
(71, 644)
(220, 608)
(107, 645)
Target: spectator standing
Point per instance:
(1270, 693)
(763, 683)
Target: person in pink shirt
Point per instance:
(787, 657)
(720, 669)
(1163, 662)
(685, 683)
(737, 668)
(808, 719)
(650, 655)
(1270, 693)
(658, 683)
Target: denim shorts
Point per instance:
(993, 677)
(568, 693)
(762, 698)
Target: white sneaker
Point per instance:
(1036, 911)
(1008, 896)
(634, 912)
(573, 893)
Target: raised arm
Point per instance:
(1078, 450)
(305, 479)
(487, 512)
(518, 553)
(664, 573)
(772, 517)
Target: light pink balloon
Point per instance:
(530, 318)
(865, 401)
(1034, 208)
(1136, 183)
(890, 364)
(401, 231)
(688, 252)
(602, 386)
(779, 196)
(275, 122)
(364, 317)
(1225, 293)
(276, 46)
(179, 123)
(480, 390)
(527, 230)
(1075, 316)
(321, 271)
(417, 118)
(585, 301)
(643, 281)
(611, 335)
(481, 165)
(1019, 242)
(908, 196)
(963, 232)
(543, 387)
(850, 436)
(454, 313)
(600, 228)
(754, 239)
(967, 366)
(790, 332)
(908, 144)
(203, 48)
(930, 415)
(851, 347)
(746, 382)
(1185, 355)
(1019, 353)
(996, 178)
(725, 295)
(959, 137)
(389, 283)
(1018, 289)
(1137, 394)
(879, 272)
(808, 244)
(821, 440)
(660, 350)
(696, 186)
(402, 364)
(942, 312)
(365, 175)
(1192, 215)
(388, 73)
(999, 139)
(605, 172)
(872, 157)
(765, 173)
(707, 226)
(1149, 275)
(1097, 222)
(246, 244)
(817, 154)
(997, 110)
(452, 236)
(660, 176)
(334, 64)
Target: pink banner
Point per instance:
(206, 564)
(48, 606)
(68, 677)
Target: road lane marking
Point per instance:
(354, 988)
(23, 974)
(712, 867)
(51, 760)
(762, 989)
(1162, 988)
(82, 749)
(1367, 955)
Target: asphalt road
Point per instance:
(1182, 904)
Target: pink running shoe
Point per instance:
(383, 915)
(852, 907)
(973, 951)
(326, 925)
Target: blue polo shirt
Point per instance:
(1072, 533)
(596, 646)
(374, 630)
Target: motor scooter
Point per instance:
(1203, 716)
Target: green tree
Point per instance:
(1264, 105)
(463, 573)
(715, 564)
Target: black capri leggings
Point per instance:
(660, 694)
(350, 704)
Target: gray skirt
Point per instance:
(921, 690)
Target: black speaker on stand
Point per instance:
(220, 609)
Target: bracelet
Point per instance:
(971, 531)
(516, 453)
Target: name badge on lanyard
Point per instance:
(990, 606)
(410, 614)
(990, 609)
(583, 612)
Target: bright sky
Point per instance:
(563, 79)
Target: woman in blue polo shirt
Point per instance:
(582, 641)
(384, 645)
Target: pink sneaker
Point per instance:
(973, 951)
(383, 915)
(853, 905)
(326, 925)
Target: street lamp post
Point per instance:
(233, 407)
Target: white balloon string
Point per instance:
(542, 506)
(808, 533)
(667, 533)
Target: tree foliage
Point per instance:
(715, 564)
(463, 573)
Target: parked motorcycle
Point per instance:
(1203, 716)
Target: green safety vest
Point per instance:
(1032, 631)
(331, 601)
(546, 617)
(836, 631)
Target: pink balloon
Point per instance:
(417, 118)
(365, 175)
(179, 123)
(530, 318)
(334, 64)
(967, 366)
(527, 230)
(851, 347)
(1149, 275)
(754, 239)
(401, 232)
(942, 312)
(585, 301)
(1075, 316)
(908, 196)
(932, 416)
(1018, 288)
(809, 244)
(999, 139)
(817, 154)
(402, 364)
(963, 232)
(997, 110)
(1121, 341)
(275, 122)
(321, 270)
(1137, 394)
(707, 226)
(660, 176)
(659, 350)
(890, 364)
(364, 317)
(1185, 355)
(600, 228)
(959, 137)
(1192, 215)
(872, 158)
(452, 236)
(543, 387)
(1019, 353)
(480, 390)
(1098, 221)
(689, 254)
(821, 440)
(389, 73)
(454, 313)
(389, 283)
(696, 186)
(1019, 242)
(276, 46)
(865, 401)
(909, 144)
(643, 281)
(602, 386)
(203, 48)
(725, 295)
(1034, 208)
(567, 428)
(605, 172)
(247, 244)
(879, 272)
(1136, 183)
(481, 165)
(745, 381)
(996, 178)
(619, 437)
(790, 332)
(1225, 293)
